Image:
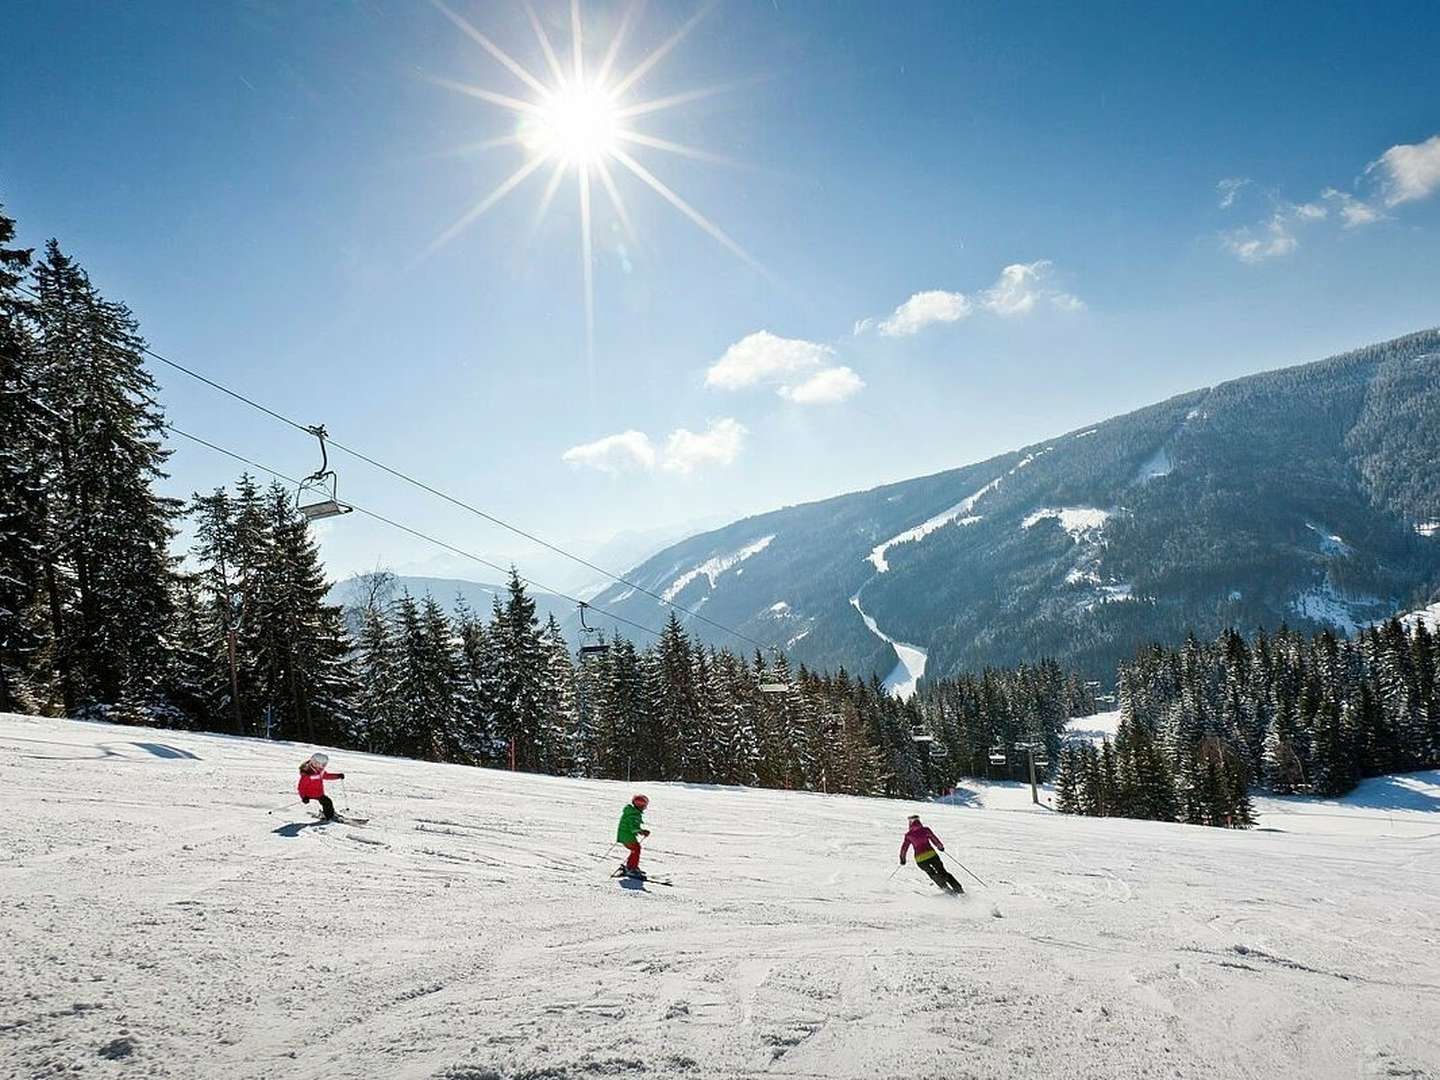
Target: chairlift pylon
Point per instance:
(317, 496)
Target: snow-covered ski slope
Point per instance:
(158, 922)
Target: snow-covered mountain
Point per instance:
(159, 920)
(1305, 496)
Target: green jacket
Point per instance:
(632, 820)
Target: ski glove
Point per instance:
(644, 832)
(339, 776)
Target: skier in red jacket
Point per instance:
(312, 783)
(927, 855)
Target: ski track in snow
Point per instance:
(157, 922)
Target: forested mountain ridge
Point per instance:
(1305, 496)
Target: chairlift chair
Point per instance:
(317, 497)
(593, 645)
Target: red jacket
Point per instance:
(312, 784)
(921, 839)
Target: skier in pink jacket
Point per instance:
(927, 855)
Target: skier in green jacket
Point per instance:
(632, 827)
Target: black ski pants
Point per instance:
(935, 870)
(326, 806)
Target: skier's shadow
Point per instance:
(633, 884)
(295, 828)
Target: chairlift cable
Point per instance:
(309, 429)
(411, 531)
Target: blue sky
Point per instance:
(975, 226)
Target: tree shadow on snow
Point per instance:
(160, 750)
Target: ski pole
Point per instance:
(293, 802)
(967, 870)
(895, 871)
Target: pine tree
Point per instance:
(377, 700)
(27, 429)
(558, 704)
(1067, 783)
(519, 708)
(108, 568)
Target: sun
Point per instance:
(577, 126)
(577, 121)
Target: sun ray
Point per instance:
(465, 149)
(603, 168)
(577, 42)
(545, 47)
(551, 187)
(674, 148)
(602, 77)
(640, 108)
(503, 100)
(587, 265)
(489, 46)
(643, 68)
(705, 224)
(506, 186)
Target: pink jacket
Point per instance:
(921, 839)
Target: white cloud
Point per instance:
(1276, 238)
(614, 453)
(765, 357)
(1020, 288)
(825, 387)
(1354, 212)
(1024, 285)
(719, 444)
(1407, 172)
(1410, 171)
(921, 310)
(1229, 190)
(684, 450)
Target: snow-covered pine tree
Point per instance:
(108, 532)
(480, 677)
(558, 698)
(27, 428)
(311, 688)
(1067, 795)
(519, 709)
(619, 713)
(376, 701)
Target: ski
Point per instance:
(624, 875)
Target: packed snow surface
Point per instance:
(1325, 604)
(712, 568)
(1078, 521)
(959, 513)
(157, 921)
(910, 664)
(1096, 728)
(1430, 616)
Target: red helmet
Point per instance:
(641, 801)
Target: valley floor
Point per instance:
(158, 922)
